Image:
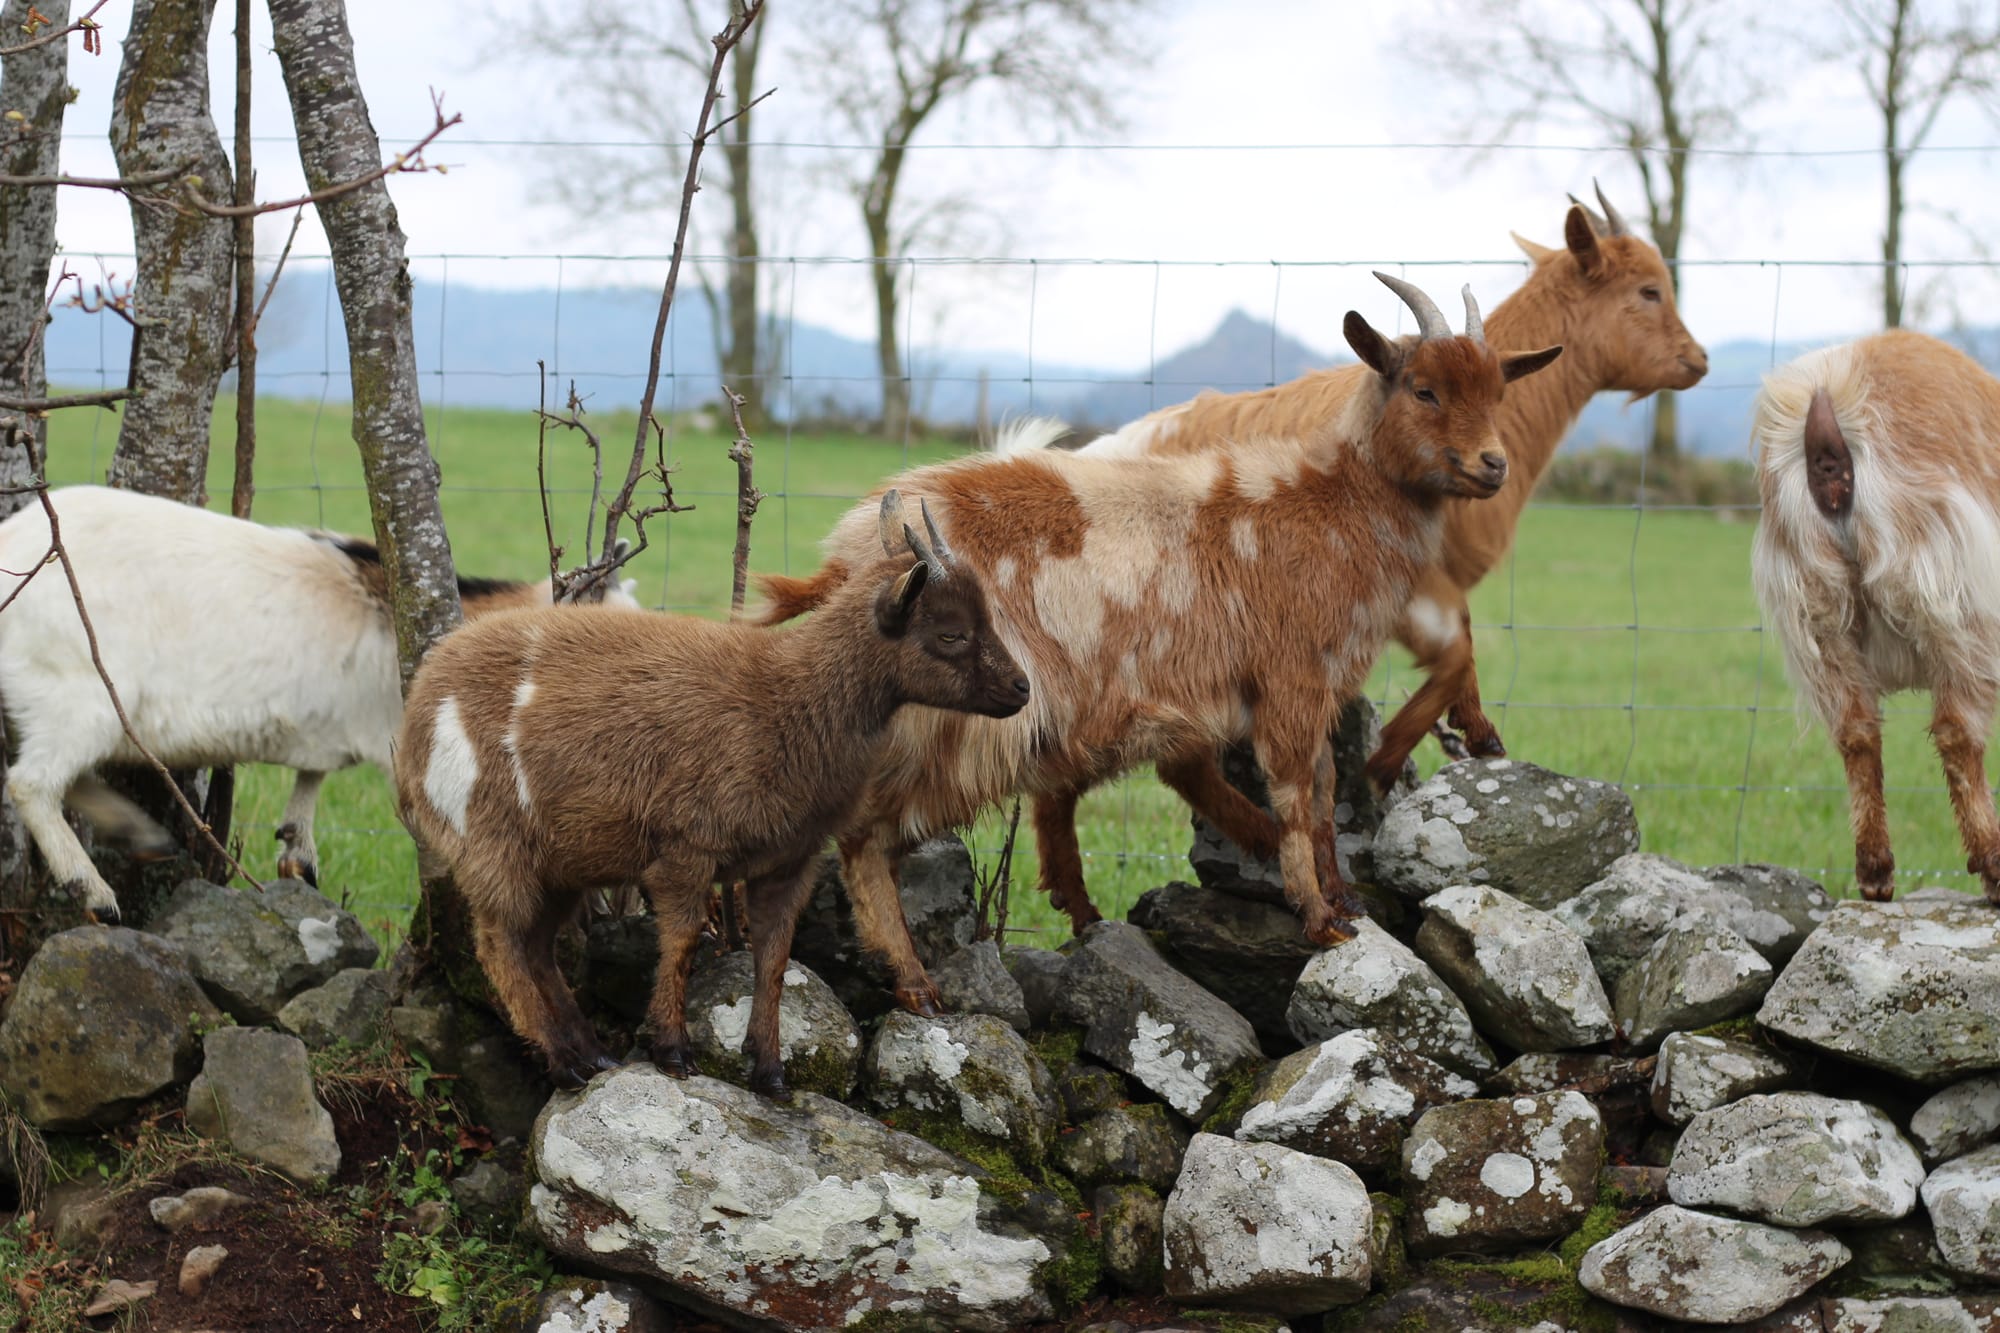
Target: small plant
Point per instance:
(462, 1278)
(42, 1290)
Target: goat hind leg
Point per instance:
(112, 815)
(1858, 736)
(46, 767)
(868, 868)
(679, 893)
(298, 858)
(1290, 746)
(519, 958)
(775, 900)
(1468, 718)
(1062, 858)
(1960, 717)
(1199, 780)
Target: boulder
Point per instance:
(1908, 1314)
(1145, 1019)
(1375, 981)
(1796, 1159)
(1697, 973)
(1485, 1175)
(1536, 835)
(1086, 1089)
(1262, 1227)
(1525, 977)
(254, 951)
(1707, 1270)
(817, 1038)
(591, 1305)
(100, 1019)
(809, 1216)
(1957, 1120)
(1349, 1098)
(1468, 1299)
(1248, 953)
(199, 1209)
(1963, 1198)
(975, 981)
(255, 1092)
(1137, 1145)
(1624, 914)
(1697, 1073)
(940, 906)
(490, 1194)
(1552, 1071)
(496, 1079)
(1038, 972)
(1909, 987)
(351, 1006)
(1900, 1256)
(1129, 1221)
(1771, 894)
(972, 1069)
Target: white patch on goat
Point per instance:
(1004, 570)
(1243, 536)
(1261, 473)
(453, 767)
(511, 742)
(1435, 625)
(1070, 605)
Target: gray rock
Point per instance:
(1483, 1175)
(1145, 1019)
(1129, 1219)
(1709, 1270)
(1349, 1098)
(352, 1007)
(199, 1265)
(1796, 1159)
(100, 1020)
(1375, 981)
(1248, 953)
(494, 1078)
(1901, 1257)
(1480, 1300)
(1552, 1071)
(1909, 1314)
(489, 1194)
(1624, 914)
(255, 1092)
(744, 1206)
(817, 1038)
(975, 981)
(1536, 835)
(591, 1305)
(1963, 1198)
(78, 1213)
(1525, 977)
(1698, 972)
(1266, 1228)
(198, 1209)
(1086, 1089)
(1135, 1144)
(1697, 1074)
(1957, 1120)
(971, 1069)
(1770, 892)
(254, 951)
(940, 907)
(1038, 972)
(1910, 987)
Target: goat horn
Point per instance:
(892, 519)
(1475, 327)
(1611, 215)
(1597, 224)
(1430, 322)
(925, 554)
(938, 543)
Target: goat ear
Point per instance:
(1535, 253)
(1514, 365)
(1582, 241)
(892, 608)
(1375, 351)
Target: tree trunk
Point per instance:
(1892, 247)
(33, 85)
(743, 364)
(159, 119)
(895, 423)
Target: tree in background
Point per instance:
(1663, 79)
(885, 67)
(1914, 63)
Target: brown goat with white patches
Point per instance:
(1877, 561)
(547, 753)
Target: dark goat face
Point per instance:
(950, 657)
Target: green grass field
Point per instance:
(1690, 709)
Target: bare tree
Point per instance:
(1663, 79)
(1914, 63)
(885, 67)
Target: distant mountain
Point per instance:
(1244, 352)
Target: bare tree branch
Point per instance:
(92, 30)
(410, 161)
(748, 497)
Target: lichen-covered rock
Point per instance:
(1552, 1071)
(936, 885)
(1911, 987)
(1137, 1144)
(1129, 1219)
(1349, 1098)
(1261, 1227)
(1697, 973)
(1536, 835)
(1796, 1159)
(99, 1020)
(351, 1006)
(810, 1216)
(1957, 1120)
(592, 1305)
(254, 951)
(969, 1068)
(1484, 1175)
(1907, 1314)
(1375, 981)
(1697, 1073)
(1770, 895)
(1248, 953)
(975, 981)
(817, 1038)
(1963, 1198)
(1705, 1269)
(1144, 1018)
(1038, 972)
(1525, 977)
(1086, 1089)
(255, 1092)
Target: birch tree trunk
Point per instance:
(33, 85)
(160, 119)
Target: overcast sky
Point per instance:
(1294, 78)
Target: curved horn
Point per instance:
(1611, 215)
(1598, 225)
(891, 519)
(923, 551)
(1430, 321)
(1475, 327)
(938, 543)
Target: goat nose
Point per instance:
(1021, 686)
(1494, 460)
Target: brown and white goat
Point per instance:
(1166, 606)
(1877, 561)
(547, 753)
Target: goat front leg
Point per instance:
(514, 934)
(45, 768)
(1960, 716)
(1435, 627)
(1062, 858)
(677, 886)
(298, 858)
(1290, 733)
(1858, 736)
(868, 860)
(1200, 781)
(775, 900)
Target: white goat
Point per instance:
(229, 643)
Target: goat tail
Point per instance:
(1028, 434)
(790, 597)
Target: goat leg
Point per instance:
(1448, 741)
(1960, 716)
(1199, 780)
(678, 889)
(774, 904)
(1062, 859)
(1858, 736)
(869, 870)
(519, 958)
(1293, 750)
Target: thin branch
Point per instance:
(143, 181)
(542, 479)
(411, 161)
(283, 255)
(748, 497)
(98, 398)
(244, 490)
(93, 43)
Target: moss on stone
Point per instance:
(1058, 1046)
(1605, 1217)
(1742, 1029)
(1239, 1093)
(1077, 1273)
(1235, 1321)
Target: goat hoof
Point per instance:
(1488, 749)
(1329, 933)
(576, 1072)
(771, 1083)
(100, 908)
(675, 1061)
(1878, 893)
(923, 1001)
(290, 867)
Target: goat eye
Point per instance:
(1426, 396)
(1650, 294)
(951, 638)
